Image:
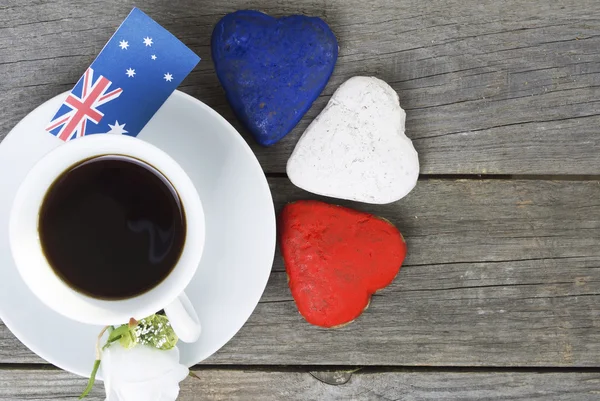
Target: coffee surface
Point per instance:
(112, 227)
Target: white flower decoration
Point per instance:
(142, 373)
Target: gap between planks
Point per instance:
(524, 177)
(350, 368)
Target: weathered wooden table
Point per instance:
(498, 298)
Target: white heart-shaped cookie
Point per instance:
(356, 148)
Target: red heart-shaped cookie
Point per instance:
(336, 258)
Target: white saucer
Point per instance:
(240, 231)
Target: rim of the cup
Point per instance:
(31, 259)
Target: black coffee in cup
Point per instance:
(112, 227)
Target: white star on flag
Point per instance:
(118, 129)
(130, 72)
(153, 57)
(124, 44)
(168, 77)
(148, 41)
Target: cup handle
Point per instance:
(183, 319)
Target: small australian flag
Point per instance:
(136, 71)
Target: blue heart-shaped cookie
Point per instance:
(272, 69)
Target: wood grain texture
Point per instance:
(498, 273)
(242, 385)
(509, 87)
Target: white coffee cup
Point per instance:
(54, 292)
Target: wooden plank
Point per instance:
(37, 384)
(499, 273)
(489, 87)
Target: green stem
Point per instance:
(117, 333)
(109, 342)
(98, 350)
(92, 380)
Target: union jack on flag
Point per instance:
(84, 108)
(134, 74)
